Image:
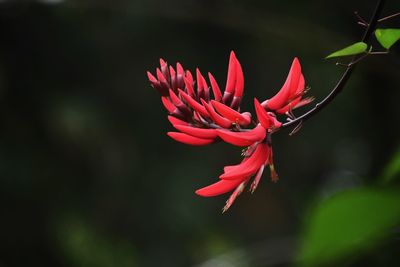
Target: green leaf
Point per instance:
(346, 223)
(387, 37)
(392, 169)
(353, 49)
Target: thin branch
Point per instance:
(346, 75)
(389, 17)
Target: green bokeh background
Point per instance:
(88, 176)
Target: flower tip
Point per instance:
(179, 68)
(162, 62)
(198, 192)
(151, 77)
(296, 62)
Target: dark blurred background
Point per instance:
(88, 176)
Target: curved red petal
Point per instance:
(175, 121)
(218, 119)
(250, 166)
(168, 104)
(243, 138)
(247, 116)
(151, 77)
(200, 88)
(206, 89)
(239, 85)
(179, 69)
(231, 77)
(215, 88)
(189, 140)
(189, 87)
(175, 99)
(288, 88)
(194, 104)
(229, 113)
(262, 115)
(218, 188)
(197, 132)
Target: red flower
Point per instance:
(290, 95)
(202, 117)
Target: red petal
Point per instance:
(247, 116)
(162, 62)
(263, 117)
(189, 87)
(215, 88)
(288, 88)
(229, 113)
(172, 72)
(197, 132)
(295, 98)
(178, 103)
(200, 88)
(189, 140)
(218, 119)
(204, 85)
(173, 110)
(156, 84)
(239, 86)
(161, 78)
(179, 69)
(168, 104)
(248, 167)
(151, 77)
(175, 99)
(189, 76)
(231, 78)
(164, 69)
(301, 85)
(194, 104)
(180, 76)
(218, 188)
(174, 121)
(243, 138)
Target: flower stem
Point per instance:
(346, 75)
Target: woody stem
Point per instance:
(346, 75)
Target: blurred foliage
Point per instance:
(392, 169)
(83, 246)
(348, 222)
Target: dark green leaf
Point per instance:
(353, 49)
(387, 37)
(348, 222)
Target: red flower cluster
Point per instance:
(201, 118)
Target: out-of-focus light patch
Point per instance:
(337, 181)
(270, 252)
